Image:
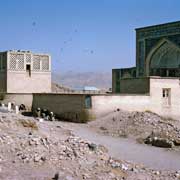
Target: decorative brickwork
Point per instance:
(158, 30)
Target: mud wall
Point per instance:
(105, 104)
(153, 101)
(134, 86)
(70, 107)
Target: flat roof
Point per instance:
(153, 77)
(124, 68)
(67, 93)
(163, 24)
(24, 51)
(107, 94)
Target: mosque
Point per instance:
(157, 54)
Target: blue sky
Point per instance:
(81, 35)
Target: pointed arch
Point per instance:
(163, 47)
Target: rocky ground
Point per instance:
(33, 150)
(145, 127)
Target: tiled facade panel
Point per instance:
(148, 37)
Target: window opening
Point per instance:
(28, 69)
(166, 95)
(88, 102)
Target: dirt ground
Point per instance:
(33, 150)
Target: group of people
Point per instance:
(45, 114)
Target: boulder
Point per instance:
(92, 146)
(177, 142)
(159, 142)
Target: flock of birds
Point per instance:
(89, 51)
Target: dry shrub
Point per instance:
(148, 111)
(29, 124)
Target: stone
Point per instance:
(40, 120)
(159, 142)
(43, 158)
(124, 167)
(9, 106)
(164, 143)
(37, 158)
(92, 146)
(103, 128)
(177, 142)
(115, 165)
(17, 110)
(177, 175)
(134, 170)
(56, 176)
(58, 126)
(85, 176)
(156, 172)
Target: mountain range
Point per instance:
(101, 80)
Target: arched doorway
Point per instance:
(164, 60)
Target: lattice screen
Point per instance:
(12, 64)
(45, 62)
(20, 62)
(28, 58)
(16, 62)
(36, 62)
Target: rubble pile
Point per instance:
(145, 127)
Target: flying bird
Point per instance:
(34, 24)
(88, 51)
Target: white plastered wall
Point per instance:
(104, 104)
(19, 81)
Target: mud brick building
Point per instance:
(24, 72)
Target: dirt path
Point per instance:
(127, 149)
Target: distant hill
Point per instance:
(71, 79)
(56, 88)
